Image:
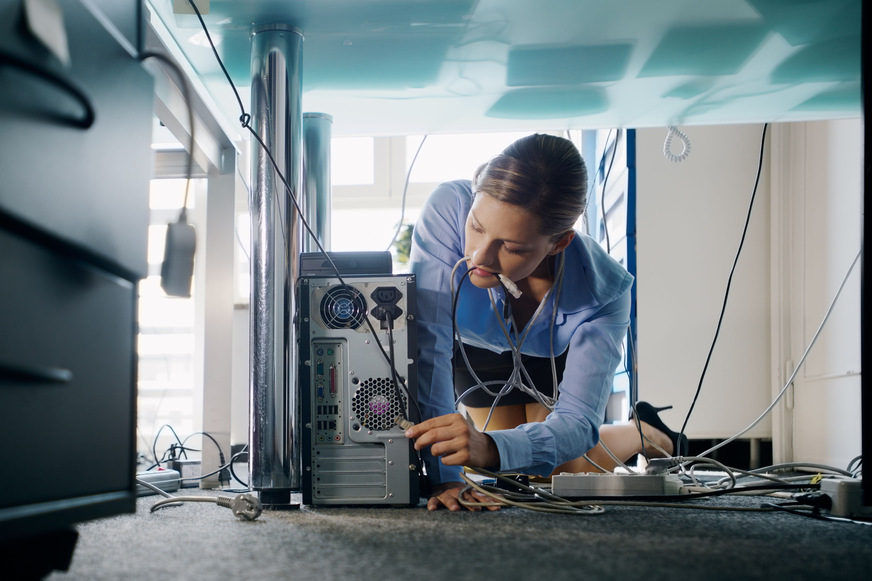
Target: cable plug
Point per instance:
(662, 465)
(509, 285)
(403, 423)
(244, 506)
(817, 500)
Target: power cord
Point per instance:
(729, 282)
(177, 268)
(244, 506)
(245, 119)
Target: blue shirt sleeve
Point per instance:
(437, 245)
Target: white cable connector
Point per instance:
(404, 423)
(510, 286)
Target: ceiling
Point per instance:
(392, 67)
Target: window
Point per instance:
(165, 343)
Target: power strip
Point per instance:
(190, 471)
(847, 497)
(595, 485)
(166, 480)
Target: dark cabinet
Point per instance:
(73, 231)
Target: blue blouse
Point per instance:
(591, 321)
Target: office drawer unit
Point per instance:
(73, 232)
(86, 186)
(67, 364)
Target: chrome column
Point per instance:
(276, 116)
(317, 131)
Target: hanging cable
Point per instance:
(245, 121)
(177, 268)
(667, 145)
(797, 367)
(729, 281)
(405, 191)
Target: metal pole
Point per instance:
(276, 116)
(317, 131)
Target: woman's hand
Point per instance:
(447, 494)
(456, 441)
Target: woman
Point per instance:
(512, 226)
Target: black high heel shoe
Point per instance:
(649, 414)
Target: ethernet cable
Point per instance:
(797, 367)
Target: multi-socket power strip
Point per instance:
(162, 478)
(595, 485)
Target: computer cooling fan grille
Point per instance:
(343, 307)
(376, 405)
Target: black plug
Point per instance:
(817, 500)
(386, 309)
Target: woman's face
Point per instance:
(503, 238)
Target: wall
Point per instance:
(690, 217)
(816, 234)
(804, 233)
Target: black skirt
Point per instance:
(490, 366)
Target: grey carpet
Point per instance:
(204, 541)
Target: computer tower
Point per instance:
(357, 375)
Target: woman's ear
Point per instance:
(562, 243)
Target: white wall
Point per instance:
(690, 217)
(803, 235)
(816, 227)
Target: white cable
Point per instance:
(515, 380)
(667, 145)
(796, 369)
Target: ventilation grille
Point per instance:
(343, 307)
(375, 404)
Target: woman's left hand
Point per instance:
(456, 441)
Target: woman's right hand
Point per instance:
(446, 495)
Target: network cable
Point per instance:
(405, 192)
(797, 367)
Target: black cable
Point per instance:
(221, 461)
(235, 458)
(245, 120)
(186, 93)
(729, 282)
(605, 185)
(154, 443)
(58, 81)
(811, 512)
